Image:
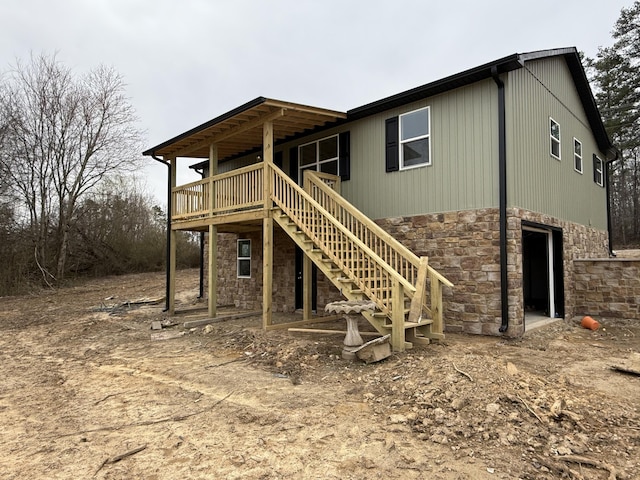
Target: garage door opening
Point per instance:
(543, 287)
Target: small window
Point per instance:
(244, 258)
(554, 135)
(577, 155)
(598, 169)
(415, 139)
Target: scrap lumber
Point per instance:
(206, 321)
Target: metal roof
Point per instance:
(239, 131)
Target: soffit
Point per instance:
(241, 130)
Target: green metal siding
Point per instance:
(464, 170)
(464, 152)
(536, 180)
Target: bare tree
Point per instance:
(63, 135)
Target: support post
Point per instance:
(397, 317)
(437, 326)
(172, 272)
(212, 291)
(267, 154)
(307, 287)
(171, 303)
(416, 310)
(267, 226)
(267, 270)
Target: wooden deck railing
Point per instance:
(236, 190)
(399, 257)
(380, 266)
(332, 181)
(375, 277)
(386, 247)
(239, 189)
(191, 200)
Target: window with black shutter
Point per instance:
(598, 170)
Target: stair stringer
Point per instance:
(382, 319)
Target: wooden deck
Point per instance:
(355, 254)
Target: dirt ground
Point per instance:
(88, 390)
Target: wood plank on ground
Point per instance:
(206, 321)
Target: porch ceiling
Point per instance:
(240, 130)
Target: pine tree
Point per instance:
(615, 74)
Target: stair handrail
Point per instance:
(281, 176)
(375, 229)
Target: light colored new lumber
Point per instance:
(267, 270)
(342, 332)
(300, 323)
(415, 312)
(224, 318)
(397, 318)
(235, 130)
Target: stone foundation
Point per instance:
(578, 241)
(607, 287)
(246, 293)
(464, 246)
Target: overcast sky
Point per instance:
(188, 61)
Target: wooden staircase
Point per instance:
(360, 258)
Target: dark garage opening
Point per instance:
(543, 293)
(535, 272)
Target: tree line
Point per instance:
(69, 201)
(615, 78)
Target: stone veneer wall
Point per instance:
(239, 292)
(246, 293)
(578, 241)
(607, 287)
(465, 247)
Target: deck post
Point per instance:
(397, 317)
(267, 159)
(172, 247)
(212, 292)
(307, 287)
(267, 270)
(267, 226)
(436, 306)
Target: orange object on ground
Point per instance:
(590, 323)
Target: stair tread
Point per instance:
(410, 324)
(382, 314)
(345, 280)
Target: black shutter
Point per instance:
(392, 153)
(596, 160)
(293, 164)
(277, 159)
(345, 155)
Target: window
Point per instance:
(598, 169)
(554, 135)
(244, 258)
(577, 155)
(321, 156)
(415, 145)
